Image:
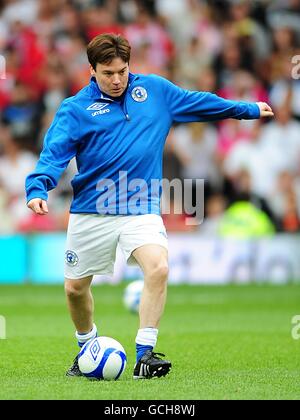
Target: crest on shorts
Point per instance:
(71, 258)
(139, 94)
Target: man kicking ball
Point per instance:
(116, 128)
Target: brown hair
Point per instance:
(104, 48)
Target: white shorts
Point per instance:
(92, 241)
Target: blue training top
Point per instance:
(118, 144)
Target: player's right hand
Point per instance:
(265, 110)
(38, 206)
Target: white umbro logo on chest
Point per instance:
(98, 108)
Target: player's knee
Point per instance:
(74, 290)
(156, 280)
(160, 272)
(164, 271)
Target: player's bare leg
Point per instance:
(80, 303)
(81, 307)
(153, 260)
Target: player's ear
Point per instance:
(92, 71)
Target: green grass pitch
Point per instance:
(225, 342)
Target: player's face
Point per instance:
(112, 78)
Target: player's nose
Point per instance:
(116, 80)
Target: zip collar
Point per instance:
(98, 95)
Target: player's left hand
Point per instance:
(265, 110)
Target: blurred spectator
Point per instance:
(284, 13)
(242, 191)
(57, 88)
(174, 12)
(15, 164)
(252, 35)
(172, 170)
(284, 48)
(191, 62)
(175, 219)
(263, 161)
(243, 220)
(141, 62)
(172, 163)
(99, 20)
(21, 113)
(290, 219)
(285, 91)
(285, 202)
(147, 30)
(280, 140)
(7, 225)
(172, 9)
(195, 145)
(233, 57)
(31, 57)
(244, 87)
(24, 11)
(206, 80)
(214, 210)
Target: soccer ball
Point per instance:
(102, 358)
(132, 295)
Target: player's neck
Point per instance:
(117, 98)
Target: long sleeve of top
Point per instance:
(60, 146)
(188, 106)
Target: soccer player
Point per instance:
(116, 128)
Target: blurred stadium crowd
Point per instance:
(239, 49)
